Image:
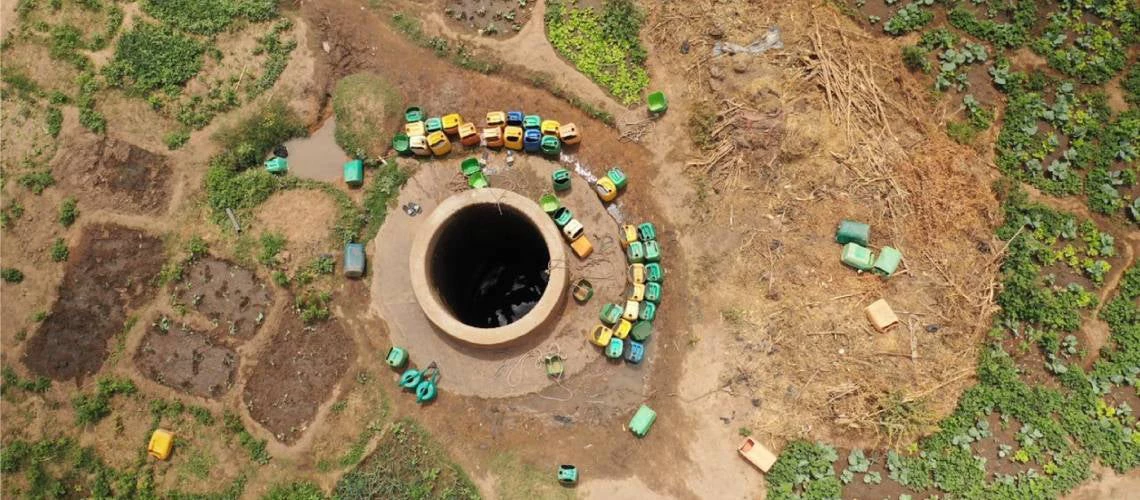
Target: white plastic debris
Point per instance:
(770, 40)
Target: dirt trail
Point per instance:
(530, 50)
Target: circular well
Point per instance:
(488, 267)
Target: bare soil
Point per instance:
(234, 300)
(295, 373)
(185, 359)
(507, 17)
(109, 274)
(113, 174)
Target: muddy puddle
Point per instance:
(110, 272)
(317, 157)
(231, 297)
(184, 359)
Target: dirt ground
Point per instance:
(108, 276)
(293, 375)
(761, 328)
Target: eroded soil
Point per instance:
(111, 272)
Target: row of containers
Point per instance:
(624, 329)
(428, 136)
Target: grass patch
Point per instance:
(37, 181)
(255, 447)
(380, 195)
(603, 46)
(518, 480)
(11, 275)
(366, 107)
(9, 379)
(59, 251)
(407, 464)
(302, 490)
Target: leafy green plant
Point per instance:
(277, 51)
(208, 17)
(152, 57)
(91, 408)
(911, 17)
(255, 447)
(11, 275)
(68, 211)
(271, 245)
(37, 181)
(916, 58)
(53, 120)
(59, 251)
(176, 139)
(604, 46)
(804, 470)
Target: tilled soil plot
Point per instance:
(184, 359)
(229, 296)
(110, 272)
(296, 372)
(114, 175)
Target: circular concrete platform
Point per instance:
(514, 368)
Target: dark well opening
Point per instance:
(489, 265)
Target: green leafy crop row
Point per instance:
(604, 47)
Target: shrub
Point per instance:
(91, 408)
(11, 275)
(176, 139)
(53, 119)
(68, 211)
(916, 58)
(59, 251)
(37, 181)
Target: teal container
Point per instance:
(652, 251)
(354, 260)
(648, 311)
(532, 121)
(615, 348)
(413, 114)
(610, 314)
(277, 165)
(567, 475)
(853, 232)
(641, 331)
(620, 180)
(888, 262)
(858, 256)
(397, 357)
(653, 292)
(654, 273)
(434, 124)
(642, 421)
(635, 253)
(561, 179)
(646, 231)
(354, 173)
(562, 216)
(551, 146)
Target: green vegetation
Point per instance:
(59, 251)
(916, 58)
(271, 245)
(406, 464)
(89, 117)
(91, 408)
(53, 120)
(912, 17)
(604, 47)
(37, 181)
(152, 57)
(208, 17)
(68, 211)
(518, 480)
(367, 107)
(978, 119)
(458, 53)
(12, 211)
(305, 490)
(277, 57)
(10, 379)
(379, 195)
(252, 445)
(11, 275)
(176, 139)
